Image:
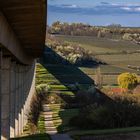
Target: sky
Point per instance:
(95, 12)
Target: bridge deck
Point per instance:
(27, 18)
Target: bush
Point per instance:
(121, 113)
(91, 96)
(128, 80)
(54, 98)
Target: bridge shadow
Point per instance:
(68, 74)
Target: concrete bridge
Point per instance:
(22, 39)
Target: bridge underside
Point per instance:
(23, 27)
(22, 40)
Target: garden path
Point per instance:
(49, 125)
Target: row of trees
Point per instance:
(81, 29)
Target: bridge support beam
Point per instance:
(5, 99)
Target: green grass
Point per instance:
(41, 124)
(61, 117)
(77, 134)
(63, 92)
(69, 75)
(34, 137)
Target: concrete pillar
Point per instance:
(24, 91)
(19, 100)
(12, 100)
(27, 89)
(16, 101)
(5, 99)
(0, 85)
(22, 98)
(25, 95)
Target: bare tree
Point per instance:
(99, 78)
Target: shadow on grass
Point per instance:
(33, 137)
(67, 74)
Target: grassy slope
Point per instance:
(59, 78)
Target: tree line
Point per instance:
(80, 29)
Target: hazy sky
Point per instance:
(95, 12)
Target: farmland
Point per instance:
(102, 45)
(117, 53)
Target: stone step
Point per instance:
(46, 106)
(47, 113)
(51, 129)
(48, 117)
(45, 109)
(51, 132)
(49, 124)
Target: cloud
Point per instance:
(104, 8)
(132, 9)
(137, 9)
(127, 8)
(69, 6)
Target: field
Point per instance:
(118, 54)
(102, 45)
